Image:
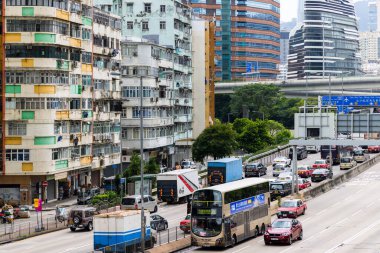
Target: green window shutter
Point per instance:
(44, 140)
(13, 89)
(87, 21)
(27, 115)
(28, 11)
(44, 37)
(61, 164)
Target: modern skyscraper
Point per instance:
(372, 16)
(370, 52)
(247, 36)
(326, 42)
(61, 98)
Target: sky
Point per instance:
(288, 10)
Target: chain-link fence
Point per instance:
(12, 231)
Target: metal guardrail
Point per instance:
(267, 157)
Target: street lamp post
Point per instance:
(142, 166)
(262, 114)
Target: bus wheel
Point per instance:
(262, 232)
(234, 241)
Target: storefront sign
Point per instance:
(59, 176)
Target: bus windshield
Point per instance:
(207, 213)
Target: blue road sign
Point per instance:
(351, 100)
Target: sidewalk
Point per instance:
(51, 205)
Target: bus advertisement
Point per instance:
(226, 214)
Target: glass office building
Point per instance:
(247, 37)
(326, 43)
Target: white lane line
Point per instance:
(337, 203)
(236, 251)
(342, 221)
(323, 211)
(365, 230)
(356, 213)
(290, 248)
(373, 203)
(306, 219)
(70, 249)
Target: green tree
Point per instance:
(152, 167)
(218, 141)
(256, 97)
(239, 124)
(134, 167)
(274, 127)
(255, 136)
(283, 136)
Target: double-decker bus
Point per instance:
(226, 214)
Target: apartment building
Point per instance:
(151, 65)
(61, 97)
(165, 23)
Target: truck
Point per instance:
(177, 185)
(224, 171)
(120, 231)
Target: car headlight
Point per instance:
(266, 233)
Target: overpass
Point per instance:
(314, 87)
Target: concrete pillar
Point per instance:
(56, 189)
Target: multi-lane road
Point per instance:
(343, 220)
(325, 217)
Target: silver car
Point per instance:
(134, 202)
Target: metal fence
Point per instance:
(157, 239)
(12, 231)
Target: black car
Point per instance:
(255, 170)
(321, 174)
(301, 153)
(280, 189)
(86, 196)
(158, 222)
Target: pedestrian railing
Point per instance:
(13, 231)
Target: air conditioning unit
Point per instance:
(74, 64)
(177, 101)
(152, 100)
(125, 159)
(186, 101)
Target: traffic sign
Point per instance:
(37, 205)
(44, 183)
(351, 100)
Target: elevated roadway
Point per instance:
(314, 87)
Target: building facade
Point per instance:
(326, 42)
(204, 74)
(247, 36)
(151, 65)
(166, 23)
(61, 98)
(370, 52)
(284, 49)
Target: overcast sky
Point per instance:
(288, 9)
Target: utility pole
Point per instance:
(142, 167)
(294, 164)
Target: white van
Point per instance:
(134, 203)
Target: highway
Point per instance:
(343, 220)
(82, 241)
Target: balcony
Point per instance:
(183, 118)
(183, 102)
(148, 143)
(183, 135)
(148, 122)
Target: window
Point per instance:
(162, 8)
(162, 25)
(16, 128)
(145, 26)
(129, 7)
(60, 153)
(75, 104)
(130, 25)
(246, 192)
(148, 7)
(30, 103)
(17, 155)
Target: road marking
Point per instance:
(236, 251)
(354, 214)
(342, 221)
(373, 203)
(337, 203)
(353, 237)
(307, 219)
(323, 211)
(70, 249)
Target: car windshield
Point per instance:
(276, 187)
(188, 217)
(320, 162)
(128, 201)
(250, 166)
(345, 160)
(74, 213)
(319, 172)
(302, 168)
(358, 152)
(289, 204)
(281, 224)
(186, 163)
(279, 166)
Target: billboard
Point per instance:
(347, 103)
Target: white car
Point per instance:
(313, 149)
(187, 164)
(285, 176)
(281, 159)
(134, 203)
